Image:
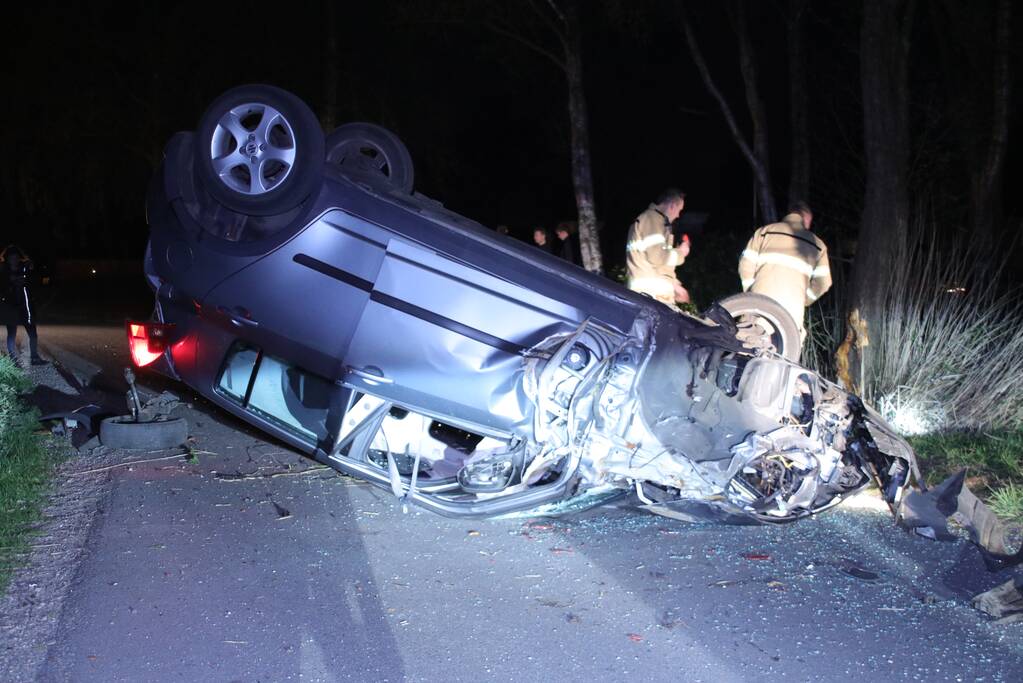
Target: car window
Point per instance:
(291, 398)
(234, 378)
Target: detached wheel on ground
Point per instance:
(259, 150)
(373, 153)
(123, 432)
(764, 324)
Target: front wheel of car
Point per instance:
(259, 150)
(763, 323)
(372, 153)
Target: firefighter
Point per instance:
(788, 263)
(650, 252)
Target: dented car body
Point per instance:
(472, 375)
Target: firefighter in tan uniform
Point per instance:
(788, 263)
(651, 255)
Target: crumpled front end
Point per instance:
(700, 428)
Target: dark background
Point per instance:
(95, 90)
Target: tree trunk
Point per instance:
(760, 171)
(884, 51)
(582, 175)
(748, 67)
(799, 175)
(986, 181)
(330, 71)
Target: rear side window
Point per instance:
(285, 395)
(234, 378)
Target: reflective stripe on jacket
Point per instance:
(650, 255)
(788, 263)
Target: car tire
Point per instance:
(372, 153)
(123, 432)
(259, 150)
(782, 333)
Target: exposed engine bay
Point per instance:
(696, 424)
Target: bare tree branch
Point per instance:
(525, 42)
(726, 110)
(543, 14)
(759, 171)
(557, 12)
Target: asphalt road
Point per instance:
(247, 565)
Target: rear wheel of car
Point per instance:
(123, 432)
(764, 323)
(259, 150)
(372, 153)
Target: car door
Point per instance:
(447, 338)
(302, 302)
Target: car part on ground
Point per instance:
(123, 431)
(149, 426)
(928, 513)
(470, 374)
(372, 153)
(1003, 602)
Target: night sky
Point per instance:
(94, 91)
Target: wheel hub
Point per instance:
(252, 149)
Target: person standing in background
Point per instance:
(542, 240)
(567, 246)
(16, 306)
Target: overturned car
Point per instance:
(303, 286)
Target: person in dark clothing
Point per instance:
(567, 246)
(16, 305)
(541, 239)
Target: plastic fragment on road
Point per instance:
(282, 512)
(756, 556)
(927, 513)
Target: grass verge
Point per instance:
(26, 464)
(994, 462)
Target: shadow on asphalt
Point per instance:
(177, 551)
(753, 600)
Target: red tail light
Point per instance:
(147, 341)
